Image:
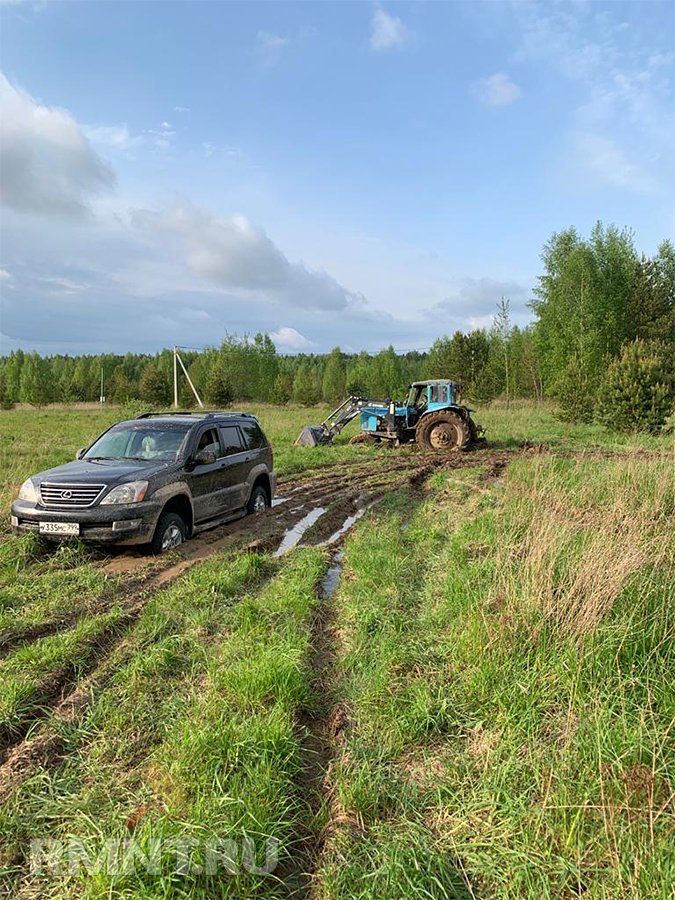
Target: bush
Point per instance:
(637, 391)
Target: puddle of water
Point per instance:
(331, 579)
(279, 500)
(346, 525)
(294, 534)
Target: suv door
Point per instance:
(207, 483)
(257, 444)
(238, 464)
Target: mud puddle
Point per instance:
(348, 523)
(331, 579)
(295, 534)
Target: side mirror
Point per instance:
(80, 453)
(204, 458)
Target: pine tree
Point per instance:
(638, 390)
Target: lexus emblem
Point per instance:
(66, 495)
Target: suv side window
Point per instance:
(231, 439)
(209, 441)
(253, 435)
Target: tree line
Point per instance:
(601, 345)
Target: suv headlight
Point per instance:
(131, 492)
(28, 491)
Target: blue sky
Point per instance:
(343, 173)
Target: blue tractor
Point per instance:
(432, 416)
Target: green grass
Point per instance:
(200, 723)
(502, 663)
(494, 750)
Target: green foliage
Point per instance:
(638, 390)
(35, 385)
(153, 386)
(218, 388)
(282, 389)
(651, 307)
(306, 385)
(120, 388)
(334, 377)
(386, 378)
(575, 391)
(582, 301)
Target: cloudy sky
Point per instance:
(333, 173)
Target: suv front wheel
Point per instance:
(258, 501)
(171, 531)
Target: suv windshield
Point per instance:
(139, 442)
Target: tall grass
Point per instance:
(506, 664)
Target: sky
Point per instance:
(334, 173)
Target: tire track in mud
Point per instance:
(321, 727)
(66, 694)
(40, 742)
(154, 571)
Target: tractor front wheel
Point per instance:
(443, 432)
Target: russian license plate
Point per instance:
(69, 528)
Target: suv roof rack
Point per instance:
(201, 414)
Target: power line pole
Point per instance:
(175, 377)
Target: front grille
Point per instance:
(70, 496)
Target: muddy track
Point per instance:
(67, 702)
(346, 491)
(318, 728)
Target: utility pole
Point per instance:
(175, 377)
(102, 397)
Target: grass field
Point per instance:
(470, 697)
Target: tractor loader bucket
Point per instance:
(311, 435)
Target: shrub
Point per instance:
(637, 391)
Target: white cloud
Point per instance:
(239, 255)
(496, 90)
(5, 276)
(208, 148)
(388, 32)
(287, 338)
(270, 47)
(57, 285)
(117, 137)
(181, 109)
(623, 127)
(609, 162)
(47, 165)
(473, 301)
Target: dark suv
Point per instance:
(156, 479)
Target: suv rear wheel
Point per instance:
(171, 531)
(258, 501)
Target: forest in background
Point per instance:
(602, 346)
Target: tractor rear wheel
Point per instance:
(443, 431)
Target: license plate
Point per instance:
(69, 528)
